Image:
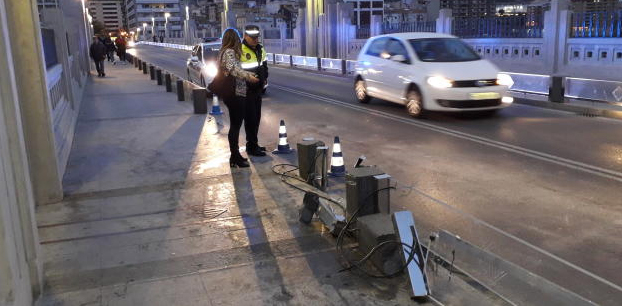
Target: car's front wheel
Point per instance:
(360, 89)
(414, 103)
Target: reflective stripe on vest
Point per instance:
(249, 65)
(249, 58)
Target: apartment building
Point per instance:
(110, 12)
(148, 11)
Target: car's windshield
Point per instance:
(210, 54)
(443, 50)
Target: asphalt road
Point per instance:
(539, 187)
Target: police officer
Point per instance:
(253, 60)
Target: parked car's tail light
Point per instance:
(440, 82)
(505, 80)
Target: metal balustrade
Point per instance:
(498, 27)
(402, 27)
(596, 24)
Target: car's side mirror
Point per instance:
(398, 58)
(194, 58)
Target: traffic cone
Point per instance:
(215, 106)
(337, 167)
(283, 147)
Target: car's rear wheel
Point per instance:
(360, 89)
(414, 103)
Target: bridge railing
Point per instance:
(596, 24)
(499, 27)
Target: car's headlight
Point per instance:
(211, 70)
(440, 82)
(505, 80)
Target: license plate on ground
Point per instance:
(484, 95)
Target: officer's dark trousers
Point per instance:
(252, 118)
(236, 115)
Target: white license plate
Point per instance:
(484, 95)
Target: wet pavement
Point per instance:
(153, 215)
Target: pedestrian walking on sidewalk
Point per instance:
(121, 47)
(229, 63)
(97, 51)
(254, 60)
(109, 48)
(161, 38)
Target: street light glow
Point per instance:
(187, 13)
(167, 14)
(144, 24)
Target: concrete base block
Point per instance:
(375, 229)
(199, 100)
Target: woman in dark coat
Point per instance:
(229, 60)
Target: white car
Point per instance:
(202, 66)
(429, 71)
(203, 63)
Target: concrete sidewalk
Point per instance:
(153, 215)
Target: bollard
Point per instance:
(180, 90)
(139, 64)
(152, 72)
(319, 64)
(168, 82)
(556, 89)
(135, 63)
(199, 100)
(144, 68)
(159, 76)
(344, 67)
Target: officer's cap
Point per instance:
(252, 30)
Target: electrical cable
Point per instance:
(285, 175)
(357, 264)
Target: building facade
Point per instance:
(470, 8)
(110, 12)
(364, 10)
(141, 12)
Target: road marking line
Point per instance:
(602, 172)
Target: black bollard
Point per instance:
(180, 90)
(136, 62)
(152, 72)
(168, 82)
(159, 76)
(144, 68)
(199, 100)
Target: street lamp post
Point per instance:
(187, 26)
(138, 34)
(152, 27)
(166, 15)
(144, 31)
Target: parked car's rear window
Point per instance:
(443, 50)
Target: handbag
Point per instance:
(222, 85)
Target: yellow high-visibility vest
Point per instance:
(249, 58)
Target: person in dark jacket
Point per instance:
(97, 51)
(121, 47)
(161, 38)
(110, 48)
(155, 39)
